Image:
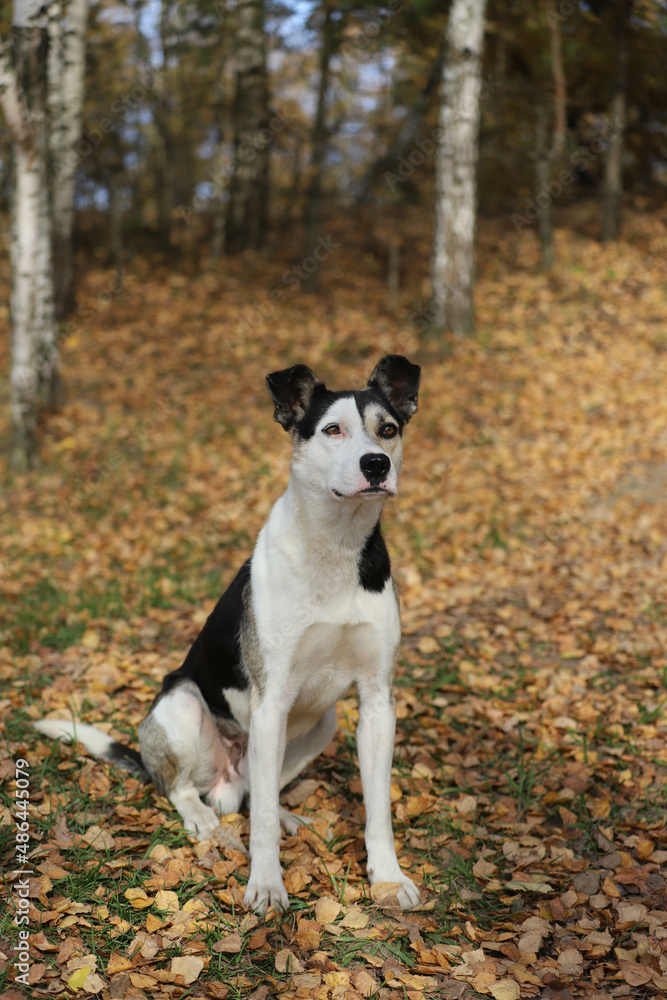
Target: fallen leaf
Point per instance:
(230, 945)
(187, 966)
(286, 961)
(506, 989)
(634, 974)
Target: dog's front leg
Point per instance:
(375, 746)
(266, 751)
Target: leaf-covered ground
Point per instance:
(530, 552)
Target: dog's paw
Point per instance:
(291, 822)
(262, 893)
(393, 888)
(200, 822)
(408, 895)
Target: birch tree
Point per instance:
(452, 260)
(67, 56)
(23, 95)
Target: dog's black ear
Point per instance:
(291, 391)
(398, 379)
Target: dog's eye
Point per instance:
(331, 429)
(388, 430)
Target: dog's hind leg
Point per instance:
(182, 749)
(301, 751)
(299, 754)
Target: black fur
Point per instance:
(127, 758)
(374, 565)
(398, 380)
(215, 660)
(323, 398)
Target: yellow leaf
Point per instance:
(428, 645)
(117, 963)
(67, 444)
(166, 900)
(355, 917)
(153, 923)
(90, 639)
(78, 978)
(508, 989)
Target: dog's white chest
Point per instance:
(327, 661)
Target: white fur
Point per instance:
(94, 740)
(320, 633)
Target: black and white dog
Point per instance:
(312, 612)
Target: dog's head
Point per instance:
(347, 444)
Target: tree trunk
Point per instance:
(116, 220)
(67, 58)
(218, 231)
(166, 151)
(319, 146)
(34, 365)
(543, 177)
(452, 262)
(613, 164)
(247, 211)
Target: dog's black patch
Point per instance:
(215, 660)
(374, 565)
(321, 400)
(364, 397)
(127, 758)
(324, 398)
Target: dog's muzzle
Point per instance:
(375, 467)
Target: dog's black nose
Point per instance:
(375, 467)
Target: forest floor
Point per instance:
(529, 547)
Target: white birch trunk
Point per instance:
(452, 261)
(24, 375)
(67, 59)
(34, 365)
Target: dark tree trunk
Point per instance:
(248, 205)
(613, 165)
(319, 147)
(548, 156)
(166, 151)
(543, 176)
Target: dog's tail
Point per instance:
(96, 742)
